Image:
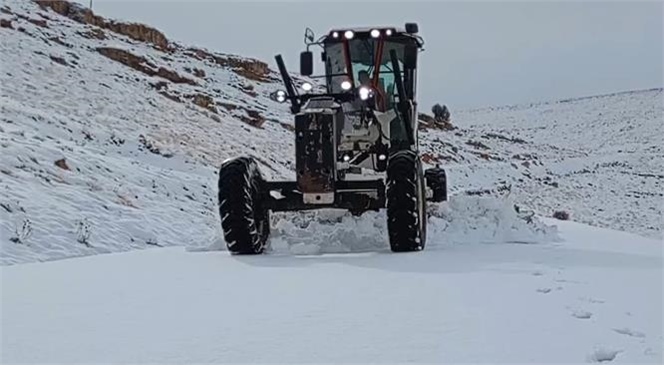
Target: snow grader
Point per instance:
(356, 142)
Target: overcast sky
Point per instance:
(476, 53)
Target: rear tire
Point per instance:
(436, 180)
(406, 202)
(244, 218)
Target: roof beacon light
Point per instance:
(388, 32)
(375, 33)
(349, 34)
(335, 34)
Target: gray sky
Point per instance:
(476, 53)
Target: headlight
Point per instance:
(364, 92)
(281, 96)
(349, 34)
(375, 33)
(307, 86)
(335, 34)
(388, 32)
(346, 85)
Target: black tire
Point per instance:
(244, 218)
(406, 202)
(436, 179)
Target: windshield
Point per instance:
(362, 58)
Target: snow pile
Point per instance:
(462, 220)
(467, 219)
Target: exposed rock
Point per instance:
(249, 90)
(160, 85)
(129, 59)
(143, 65)
(62, 163)
(204, 101)
(430, 158)
(504, 138)
(59, 60)
(196, 72)
(6, 10)
(286, 126)
(477, 144)
(136, 31)
(253, 118)
(246, 67)
(170, 96)
(228, 106)
(94, 33)
(4, 23)
(215, 117)
(427, 121)
(38, 22)
(60, 42)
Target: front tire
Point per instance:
(244, 218)
(406, 202)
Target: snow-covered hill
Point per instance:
(599, 158)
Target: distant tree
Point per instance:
(441, 113)
(561, 215)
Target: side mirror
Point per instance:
(412, 28)
(410, 57)
(308, 36)
(306, 63)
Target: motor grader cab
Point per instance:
(356, 145)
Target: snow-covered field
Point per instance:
(596, 296)
(98, 157)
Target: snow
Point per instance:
(473, 302)
(497, 282)
(102, 118)
(603, 153)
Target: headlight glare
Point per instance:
(364, 93)
(281, 96)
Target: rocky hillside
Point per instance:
(111, 136)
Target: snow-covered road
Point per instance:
(595, 296)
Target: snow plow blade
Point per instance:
(356, 196)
